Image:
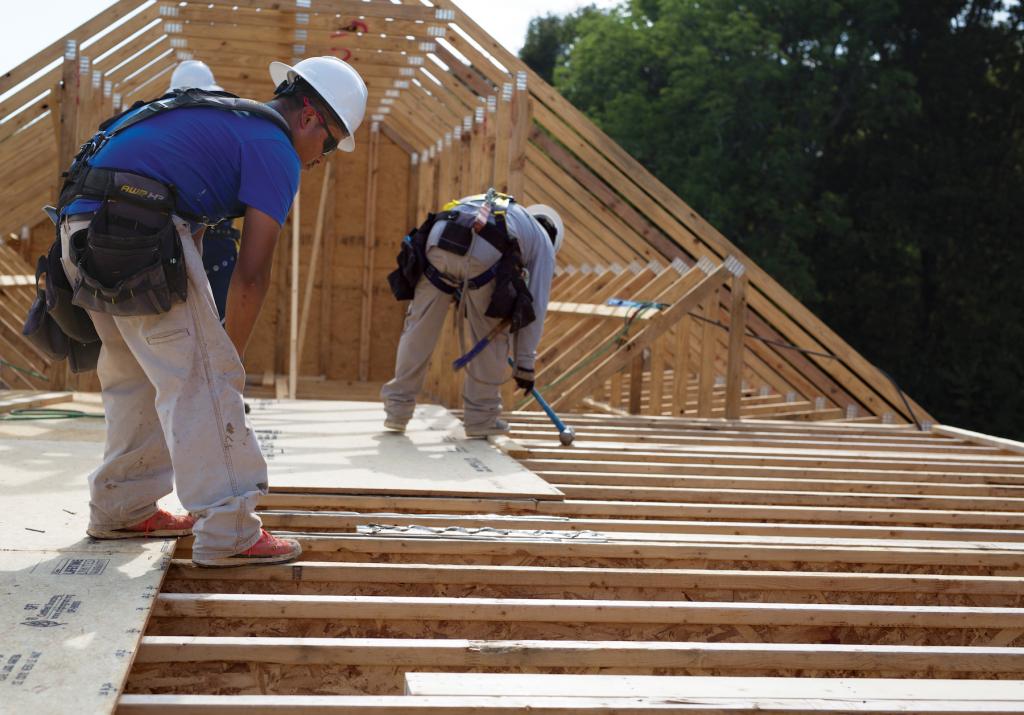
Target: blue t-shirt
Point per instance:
(218, 161)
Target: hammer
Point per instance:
(566, 434)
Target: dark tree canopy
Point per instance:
(867, 153)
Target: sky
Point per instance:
(34, 25)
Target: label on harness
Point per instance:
(140, 190)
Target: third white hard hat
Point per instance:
(543, 211)
(193, 73)
(337, 82)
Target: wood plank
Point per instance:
(675, 581)
(249, 606)
(26, 399)
(796, 692)
(936, 518)
(336, 447)
(1008, 445)
(468, 705)
(455, 652)
(508, 705)
(737, 328)
(333, 521)
(685, 550)
(369, 252)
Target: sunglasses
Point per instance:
(330, 143)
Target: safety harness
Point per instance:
(82, 181)
(458, 235)
(129, 260)
(511, 299)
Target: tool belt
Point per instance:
(412, 261)
(130, 261)
(54, 325)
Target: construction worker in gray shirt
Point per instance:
(495, 260)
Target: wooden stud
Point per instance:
(737, 329)
(369, 252)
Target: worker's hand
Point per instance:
(524, 379)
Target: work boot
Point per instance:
(394, 424)
(268, 550)
(499, 426)
(162, 524)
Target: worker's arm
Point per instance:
(540, 262)
(251, 278)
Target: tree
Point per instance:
(549, 39)
(867, 153)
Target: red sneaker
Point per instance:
(162, 524)
(268, 550)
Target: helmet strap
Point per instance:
(548, 226)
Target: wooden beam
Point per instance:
(1008, 445)
(293, 320)
(544, 610)
(461, 653)
(369, 254)
(782, 584)
(651, 331)
(521, 124)
(737, 328)
(314, 256)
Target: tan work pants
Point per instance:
(424, 320)
(172, 391)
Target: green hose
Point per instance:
(47, 413)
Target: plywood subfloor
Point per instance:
(343, 448)
(72, 609)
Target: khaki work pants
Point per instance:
(172, 391)
(424, 321)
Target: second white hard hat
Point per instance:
(337, 82)
(193, 73)
(543, 211)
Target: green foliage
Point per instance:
(867, 153)
(549, 39)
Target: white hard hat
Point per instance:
(337, 83)
(546, 212)
(193, 73)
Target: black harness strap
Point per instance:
(438, 280)
(186, 98)
(495, 231)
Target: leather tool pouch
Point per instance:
(73, 320)
(80, 345)
(412, 260)
(511, 299)
(457, 235)
(455, 238)
(130, 261)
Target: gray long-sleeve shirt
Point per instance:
(538, 258)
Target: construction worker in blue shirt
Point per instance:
(171, 376)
